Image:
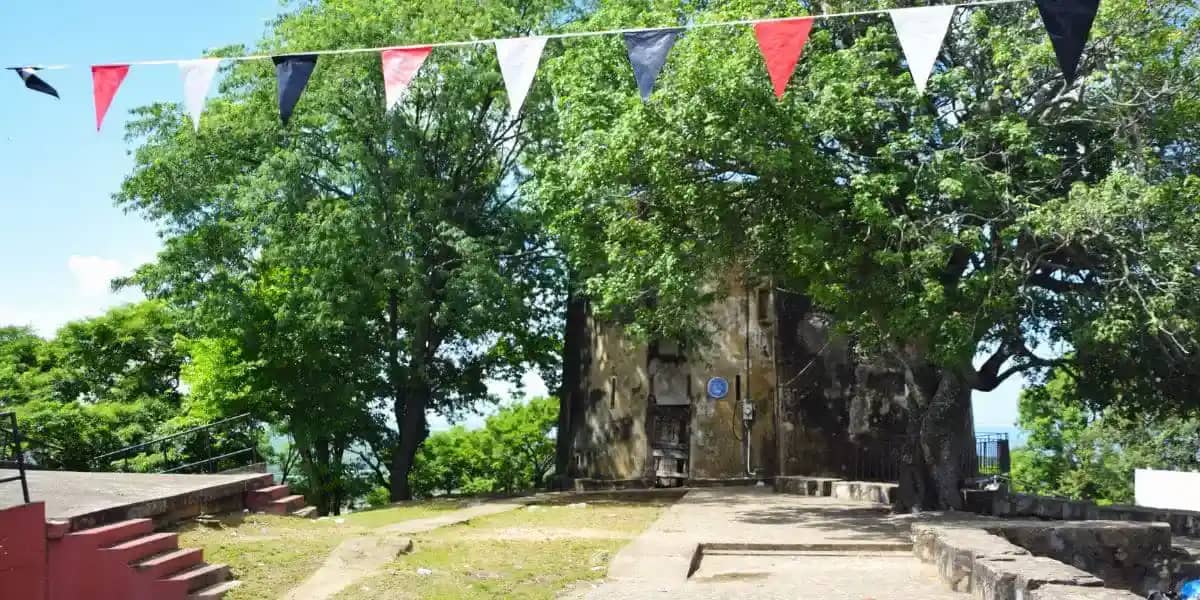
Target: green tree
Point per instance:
(25, 362)
(101, 384)
(1000, 213)
(1080, 449)
(127, 354)
(513, 452)
(356, 256)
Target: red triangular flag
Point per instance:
(106, 79)
(781, 43)
(400, 65)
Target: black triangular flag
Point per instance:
(1069, 23)
(33, 82)
(292, 73)
(648, 54)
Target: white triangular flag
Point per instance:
(197, 79)
(519, 58)
(922, 30)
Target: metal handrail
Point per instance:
(207, 460)
(20, 456)
(228, 425)
(243, 416)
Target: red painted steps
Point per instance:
(129, 561)
(278, 500)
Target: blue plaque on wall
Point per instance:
(718, 388)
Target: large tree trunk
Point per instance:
(939, 448)
(572, 366)
(314, 461)
(410, 414)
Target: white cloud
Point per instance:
(93, 274)
(85, 291)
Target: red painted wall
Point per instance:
(23, 552)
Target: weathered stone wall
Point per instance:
(839, 417)
(624, 384)
(609, 424)
(717, 428)
(818, 410)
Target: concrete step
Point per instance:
(198, 577)
(308, 512)
(111, 535)
(142, 547)
(285, 505)
(267, 494)
(173, 561)
(214, 592)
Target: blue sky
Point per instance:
(60, 235)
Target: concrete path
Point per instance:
(752, 543)
(453, 517)
(363, 556)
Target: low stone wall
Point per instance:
(1009, 505)
(805, 486)
(1127, 555)
(970, 557)
(859, 491)
(604, 485)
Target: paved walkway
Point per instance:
(764, 545)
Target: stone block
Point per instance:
(1066, 592)
(805, 486)
(979, 501)
(862, 491)
(954, 550)
(1013, 577)
(1003, 560)
(1122, 554)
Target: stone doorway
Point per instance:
(670, 443)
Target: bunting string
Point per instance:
(921, 31)
(549, 36)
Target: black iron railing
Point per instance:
(878, 458)
(992, 454)
(220, 446)
(10, 431)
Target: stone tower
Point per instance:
(774, 393)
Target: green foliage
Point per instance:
(513, 452)
(25, 362)
(998, 214)
(1076, 452)
(995, 210)
(378, 496)
(356, 261)
(101, 384)
(69, 435)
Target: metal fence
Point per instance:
(10, 441)
(879, 458)
(992, 454)
(224, 445)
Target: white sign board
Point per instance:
(1174, 490)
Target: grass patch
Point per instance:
(269, 554)
(532, 552)
(482, 559)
